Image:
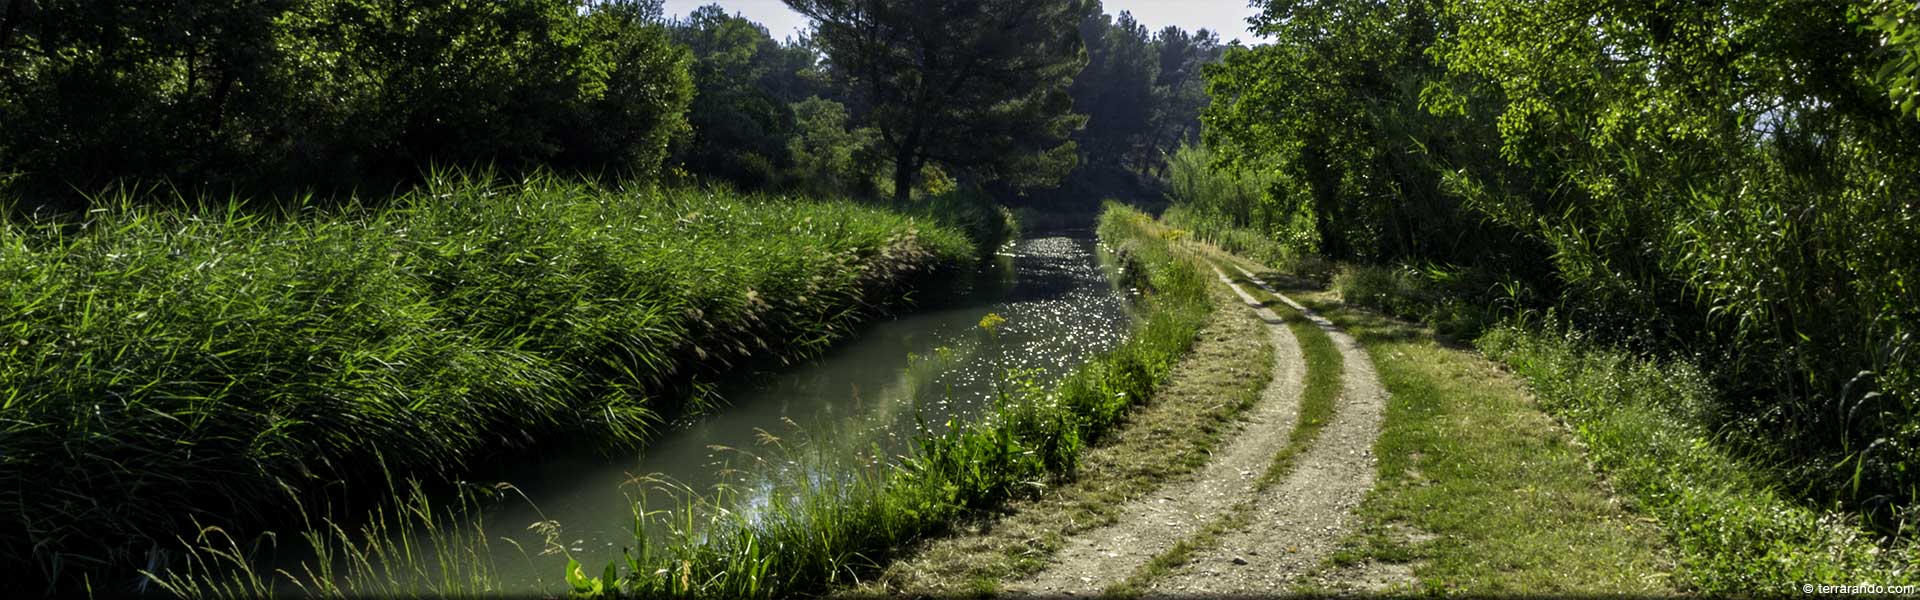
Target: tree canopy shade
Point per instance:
(330, 93)
(744, 82)
(978, 86)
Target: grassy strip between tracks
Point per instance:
(162, 370)
(1318, 399)
(1480, 492)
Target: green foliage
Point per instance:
(1142, 91)
(1250, 243)
(969, 210)
(1142, 95)
(1331, 113)
(976, 87)
(1721, 179)
(1650, 424)
(1729, 184)
(745, 80)
(1898, 24)
(1116, 89)
(1207, 190)
(333, 93)
(163, 368)
(828, 153)
(1398, 292)
(1460, 303)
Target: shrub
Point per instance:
(1458, 302)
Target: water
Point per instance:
(872, 391)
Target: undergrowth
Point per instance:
(1250, 243)
(1643, 422)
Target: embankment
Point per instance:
(164, 371)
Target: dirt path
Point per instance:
(1148, 526)
(1296, 523)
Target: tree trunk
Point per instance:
(903, 171)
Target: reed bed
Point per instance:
(161, 371)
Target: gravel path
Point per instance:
(1299, 521)
(1100, 557)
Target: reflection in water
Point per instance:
(869, 393)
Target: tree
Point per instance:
(282, 95)
(1731, 180)
(1180, 90)
(745, 81)
(1116, 90)
(1898, 24)
(825, 152)
(1738, 176)
(976, 86)
(1334, 104)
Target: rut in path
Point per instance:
(1298, 522)
(1293, 525)
(1152, 524)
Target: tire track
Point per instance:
(1296, 524)
(1150, 525)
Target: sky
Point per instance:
(1226, 17)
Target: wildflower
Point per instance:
(991, 321)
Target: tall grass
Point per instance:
(167, 370)
(1244, 210)
(1649, 424)
(1243, 241)
(824, 529)
(415, 545)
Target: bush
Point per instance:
(1458, 302)
(1262, 248)
(970, 210)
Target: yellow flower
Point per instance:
(991, 321)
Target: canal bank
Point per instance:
(840, 530)
(889, 385)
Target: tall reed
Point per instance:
(168, 370)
